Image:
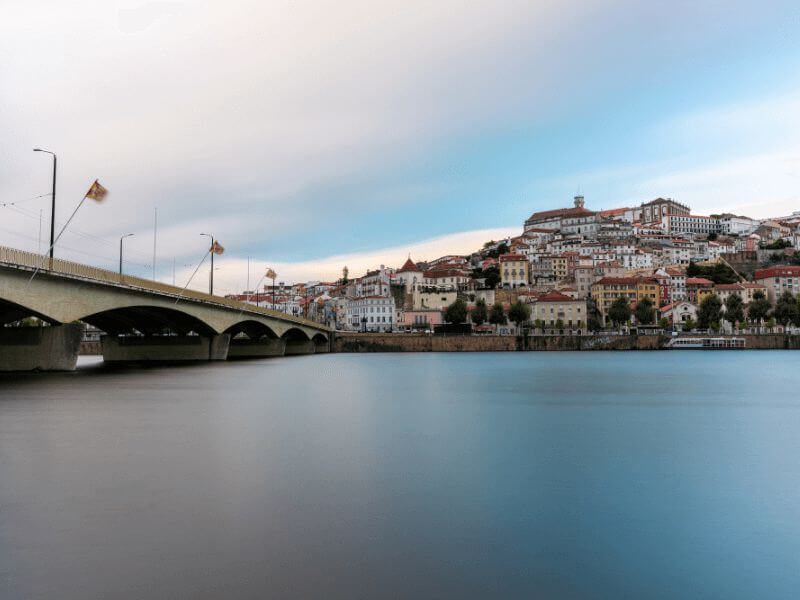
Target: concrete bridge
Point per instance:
(143, 320)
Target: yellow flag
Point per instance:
(97, 192)
(271, 274)
(217, 248)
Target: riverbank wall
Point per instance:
(387, 342)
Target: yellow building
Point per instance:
(608, 289)
(514, 270)
(555, 306)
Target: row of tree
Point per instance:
(518, 313)
(710, 313)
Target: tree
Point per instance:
(519, 313)
(538, 324)
(456, 312)
(778, 244)
(786, 309)
(759, 307)
(712, 236)
(718, 273)
(559, 324)
(664, 323)
(645, 313)
(734, 309)
(620, 311)
(345, 273)
(689, 324)
(497, 316)
(710, 310)
(480, 313)
(492, 276)
(594, 320)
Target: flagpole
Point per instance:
(193, 274)
(50, 249)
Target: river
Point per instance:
(487, 475)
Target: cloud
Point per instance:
(232, 274)
(290, 124)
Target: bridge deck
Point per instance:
(21, 259)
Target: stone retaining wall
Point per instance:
(394, 342)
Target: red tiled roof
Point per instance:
(555, 296)
(781, 271)
(612, 212)
(698, 281)
(408, 266)
(561, 212)
(507, 257)
(624, 280)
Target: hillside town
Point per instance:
(575, 270)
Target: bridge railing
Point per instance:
(45, 264)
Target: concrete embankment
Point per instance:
(346, 342)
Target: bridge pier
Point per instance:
(245, 348)
(165, 348)
(40, 348)
(294, 347)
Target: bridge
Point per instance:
(143, 320)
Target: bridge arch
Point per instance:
(148, 320)
(320, 342)
(296, 334)
(11, 312)
(253, 329)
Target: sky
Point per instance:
(312, 135)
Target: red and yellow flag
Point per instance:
(217, 248)
(271, 274)
(97, 192)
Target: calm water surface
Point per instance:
(520, 475)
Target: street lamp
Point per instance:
(120, 250)
(53, 201)
(211, 277)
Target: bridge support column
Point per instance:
(40, 348)
(294, 347)
(256, 348)
(165, 348)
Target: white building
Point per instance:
(371, 313)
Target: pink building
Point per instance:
(420, 319)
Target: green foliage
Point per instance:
(712, 236)
(734, 309)
(778, 244)
(620, 311)
(786, 309)
(710, 311)
(480, 313)
(771, 323)
(538, 324)
(689, 324)
(456, 312)
(718, 273)
(645, 313)
(594, 320)
(492, 275)
(759, 308)
(559, 324)
(519, 313)
(664, 323)
(497, 316)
